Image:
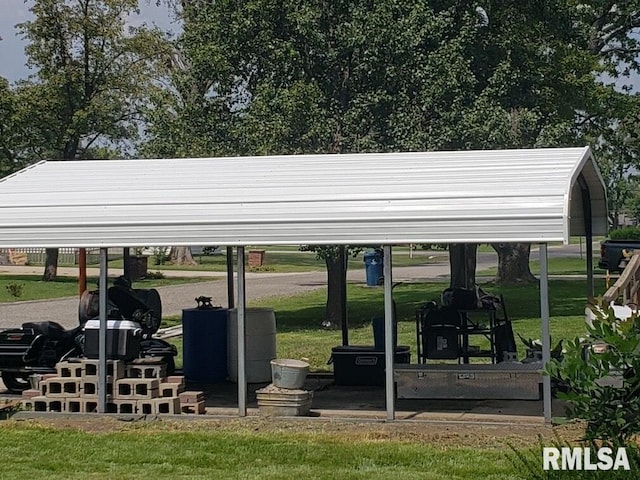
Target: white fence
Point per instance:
(67, 256)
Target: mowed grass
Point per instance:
(299, 318)
(157, 451)
(32, 287)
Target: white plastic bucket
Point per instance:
(289, 373)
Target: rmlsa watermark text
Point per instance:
(584, 458)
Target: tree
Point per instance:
(563, 59)
(321, 77)
(9, 160)
(181, 256)
(616, 141)
(264, 77)
(92, 75)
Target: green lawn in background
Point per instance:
(33, 288)
(288, 261)
(195, 451)
(299, 317)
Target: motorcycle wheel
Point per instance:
(16, 382)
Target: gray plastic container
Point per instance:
(289, 373)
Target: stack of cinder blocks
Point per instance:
(137, 387)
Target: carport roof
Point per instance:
(533, 195)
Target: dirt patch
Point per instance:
(437, 434)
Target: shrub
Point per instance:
(15, 289)
(625, 233)
(602, 375)
(154, 276)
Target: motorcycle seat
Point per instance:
(50, 329)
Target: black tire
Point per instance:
(88, 307)
(16, 382)
(151, 298)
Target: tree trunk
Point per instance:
(336, 311)
(182, 256)
(50, 265)
(462, 259)
(513, 263)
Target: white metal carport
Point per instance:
(535, 195)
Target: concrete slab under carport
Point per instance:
(353, 403)
(368, 403)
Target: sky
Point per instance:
(12, 12)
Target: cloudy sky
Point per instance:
(12, 59)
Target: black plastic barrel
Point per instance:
(204, 343)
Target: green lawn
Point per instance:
(195, 450)
(33, 288)
(300, 336)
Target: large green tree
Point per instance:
(265, 77)
(334, 77)
(92, 72)
(10, 138)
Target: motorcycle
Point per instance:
(36, 347)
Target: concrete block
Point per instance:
(156, 370)
(74, 405)
(115, 368)
(159, 406)
(30, 393)
(198, 408)
(61, 387)
(46, 404)
(89, 387)
(69, 368)
(171, 389)
(174, 379)
(168, 405)
(137, 388)
(126, 406)
(191, 397)
(90, 405)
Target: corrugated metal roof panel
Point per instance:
(433, 197)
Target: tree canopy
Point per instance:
(92, 72)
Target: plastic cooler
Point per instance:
(123, 339)
(363, 365)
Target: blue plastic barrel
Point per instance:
(204, 343)
(378, 333)
(373, 268)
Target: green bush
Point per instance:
(625, 233)
(602, 376)
(15, 289)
